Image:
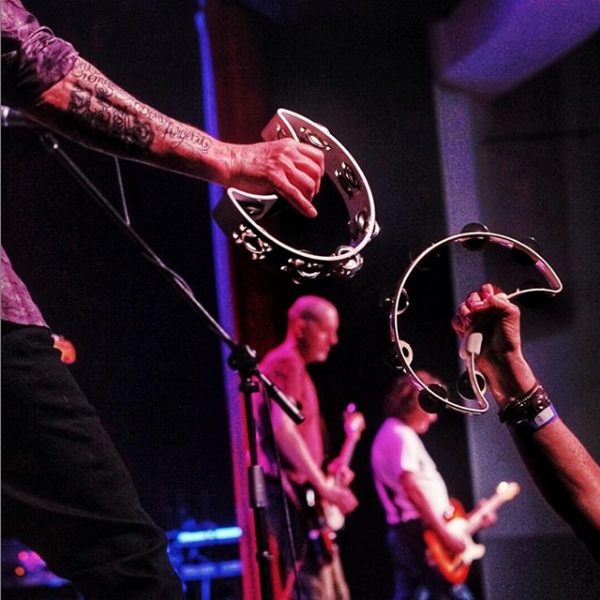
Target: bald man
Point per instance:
(311, 333)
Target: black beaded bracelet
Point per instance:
(526, 408)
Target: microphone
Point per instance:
(14, 118)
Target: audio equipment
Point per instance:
(10, 117)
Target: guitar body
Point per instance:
(455, 567)
(320, 536)
(323, 518)
(334, 516)
(452, 567)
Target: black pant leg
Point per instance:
(65, 490)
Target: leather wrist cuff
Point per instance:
(526, 407)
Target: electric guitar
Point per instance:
(455, 567)
(323, 518)
(354, 425)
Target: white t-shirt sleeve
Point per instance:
(410, 451)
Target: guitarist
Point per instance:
(414, 496)
(311, 333)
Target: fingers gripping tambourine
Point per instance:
(471, 386)
(239, 213)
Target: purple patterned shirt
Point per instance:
(33, 60)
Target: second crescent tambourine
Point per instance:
(471, 386)
(241, 215)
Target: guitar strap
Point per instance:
(326, 444)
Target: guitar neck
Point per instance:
(347, 450)
(492, 504)
(353, 426)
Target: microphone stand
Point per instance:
(242, 359)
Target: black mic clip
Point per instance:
(11, 117)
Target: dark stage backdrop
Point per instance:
(369, 82)
(144, 359)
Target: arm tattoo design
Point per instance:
(105, 118)
(116, 120)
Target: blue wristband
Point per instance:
(525, 408)
(543, 418)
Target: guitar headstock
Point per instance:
(508, 490)
(354, 422)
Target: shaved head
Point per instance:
(312, 325)
(309, 308)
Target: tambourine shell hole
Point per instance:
(252, 209)
(347, 179)
(464, 388)
(343, 182)
(281, 133)
(351, 175)
(406, 350)
(361, 220)
(316, 140)
(402, 302)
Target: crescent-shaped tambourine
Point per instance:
(241, 215)
(471, 386)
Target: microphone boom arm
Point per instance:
(248, 362)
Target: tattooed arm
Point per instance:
(89, 108)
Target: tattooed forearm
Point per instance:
(179, 135)
(117, 122)
(108, 121)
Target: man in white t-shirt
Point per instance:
(413, 494)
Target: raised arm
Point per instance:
(561, 467)
(89, 108)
